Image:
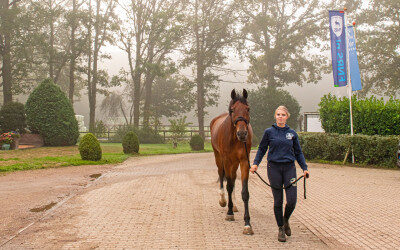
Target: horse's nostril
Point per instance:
(242, 134)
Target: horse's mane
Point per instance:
(237, 98)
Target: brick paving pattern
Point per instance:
(165, 202)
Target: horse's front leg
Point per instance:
(244, 167)
(230, 185)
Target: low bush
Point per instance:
(130, 143)
(196, 143)
(89, 148)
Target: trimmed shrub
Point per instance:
(196, 143)
(130, 143)
(89, 148)
(368, 150)
(12, 118)
(371, 116)
(100, 129)
(263, 103)
(50, 114)
(148, 135)
(145, 135)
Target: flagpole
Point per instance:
(349, 78)
(355, 39)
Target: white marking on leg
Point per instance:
(222, 193)
(235, 209)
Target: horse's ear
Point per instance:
(233, 94)
(245, 93)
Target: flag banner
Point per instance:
(353, 61)
(338, 47)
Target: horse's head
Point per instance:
(239, 112)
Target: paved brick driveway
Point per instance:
(172, 202)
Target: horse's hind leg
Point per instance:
(235, 209)
(222, 200)
(221, 174)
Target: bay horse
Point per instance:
(229, 131)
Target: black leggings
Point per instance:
(279, 175)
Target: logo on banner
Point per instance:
(337, 25)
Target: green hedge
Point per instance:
(371, 116)
(369, 150)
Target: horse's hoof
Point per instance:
(235, 209)
(222, 203)
(230, 217)
(248, 230)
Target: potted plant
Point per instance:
(9, 140)
(6, 141)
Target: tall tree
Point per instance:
(55, 45)
(165, 33)
(6, 29)
(211, 31)
(76, 18)
(133, 37)
(18, 36)
(103, 27)
(171, 97)
(279, 36)
(378, 44)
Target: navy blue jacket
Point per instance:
(284, 146)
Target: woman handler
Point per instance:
(284, 149)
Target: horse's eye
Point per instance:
(248, 110)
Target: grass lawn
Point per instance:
(45, 157)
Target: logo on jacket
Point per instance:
(289, 136)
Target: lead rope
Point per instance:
(266, 183)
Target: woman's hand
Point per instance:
(306, 174)
(253, 168)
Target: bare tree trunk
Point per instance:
(148, 86)
(200, 99)
(6, 54)
(199, 76)
(92, 97)
(73, 56)
(137, 83)
(51, 55)
(136, 78)
(89, 73)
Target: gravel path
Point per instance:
(171, 201)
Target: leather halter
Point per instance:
(240, 118)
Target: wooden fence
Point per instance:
(163, 131)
